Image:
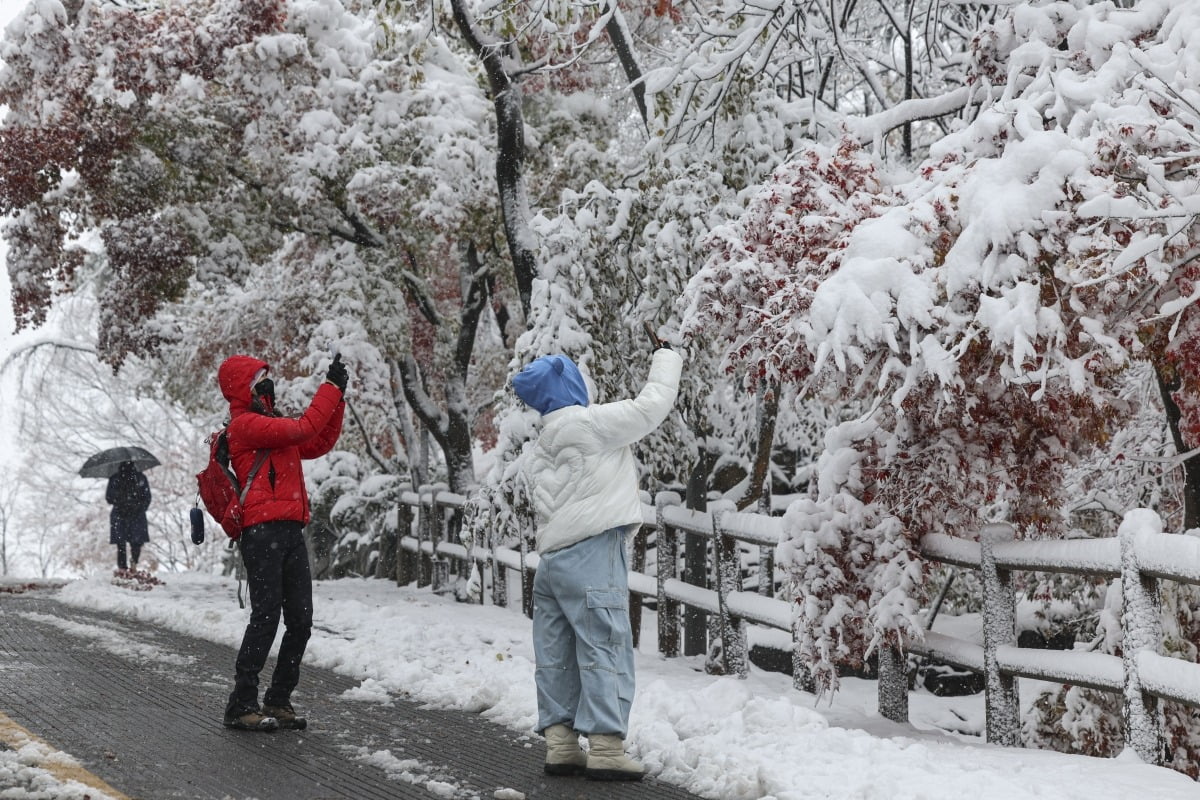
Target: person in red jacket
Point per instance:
(274, 514)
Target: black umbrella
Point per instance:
(106, 463)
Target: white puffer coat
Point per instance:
(581, 471)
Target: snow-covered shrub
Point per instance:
(352, 509)
(975, 318)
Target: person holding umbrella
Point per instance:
(129, 495)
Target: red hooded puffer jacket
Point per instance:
(277, 492)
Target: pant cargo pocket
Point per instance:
(608, 615)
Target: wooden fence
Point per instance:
(426, 551)
(1140, 556)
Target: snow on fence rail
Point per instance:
(427, 551)
(1140, 555)
(429, 554)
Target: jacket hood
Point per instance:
(550, 383)
(236, 376)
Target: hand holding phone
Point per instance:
(337, 374)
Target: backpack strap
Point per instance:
(259, 459)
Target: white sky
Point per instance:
(724, 738)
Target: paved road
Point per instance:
(147, 722)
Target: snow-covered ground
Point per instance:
(718, 737)
(33, 770)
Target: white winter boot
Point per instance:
(563, 756)
(606, 760)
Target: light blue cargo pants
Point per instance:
(582, 640)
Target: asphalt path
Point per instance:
(143, 720)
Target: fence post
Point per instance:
(802, 676)
(453, 530)
(695, 559)
(668, 568)
(424, 534)
(892, 686)
(406, 568)
(527, 574)
(1142, 625)
(766, 555)
(1001, 703)
(439, 566)
(388, 545)
(635, 600)
(733, 630)
(499, 583)
(526, 580)
(499, 571)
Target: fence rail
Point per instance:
(1139, 556)
(426, 550)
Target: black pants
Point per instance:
(135, 550)
(280, 582)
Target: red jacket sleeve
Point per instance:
(257, 432)
(323, 442)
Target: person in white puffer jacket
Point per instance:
(584, 486)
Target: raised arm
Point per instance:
(625, 421)
(323, 442)
(257, 432)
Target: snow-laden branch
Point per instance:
(872, 129)
(28, 346)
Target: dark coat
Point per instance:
(129, 494)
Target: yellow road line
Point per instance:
(63, 769)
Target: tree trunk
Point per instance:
(451, 428)
(618, 34)
(760, 472)
(496, 55)
(1191, 466)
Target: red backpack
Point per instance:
(219, 490)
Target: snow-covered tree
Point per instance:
(243, 159)
(725, 100)
(893, 65)
(74, 407)
(978, 315)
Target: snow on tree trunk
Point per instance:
(500, 60)
(1142, 623)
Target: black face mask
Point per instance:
(265, 390)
